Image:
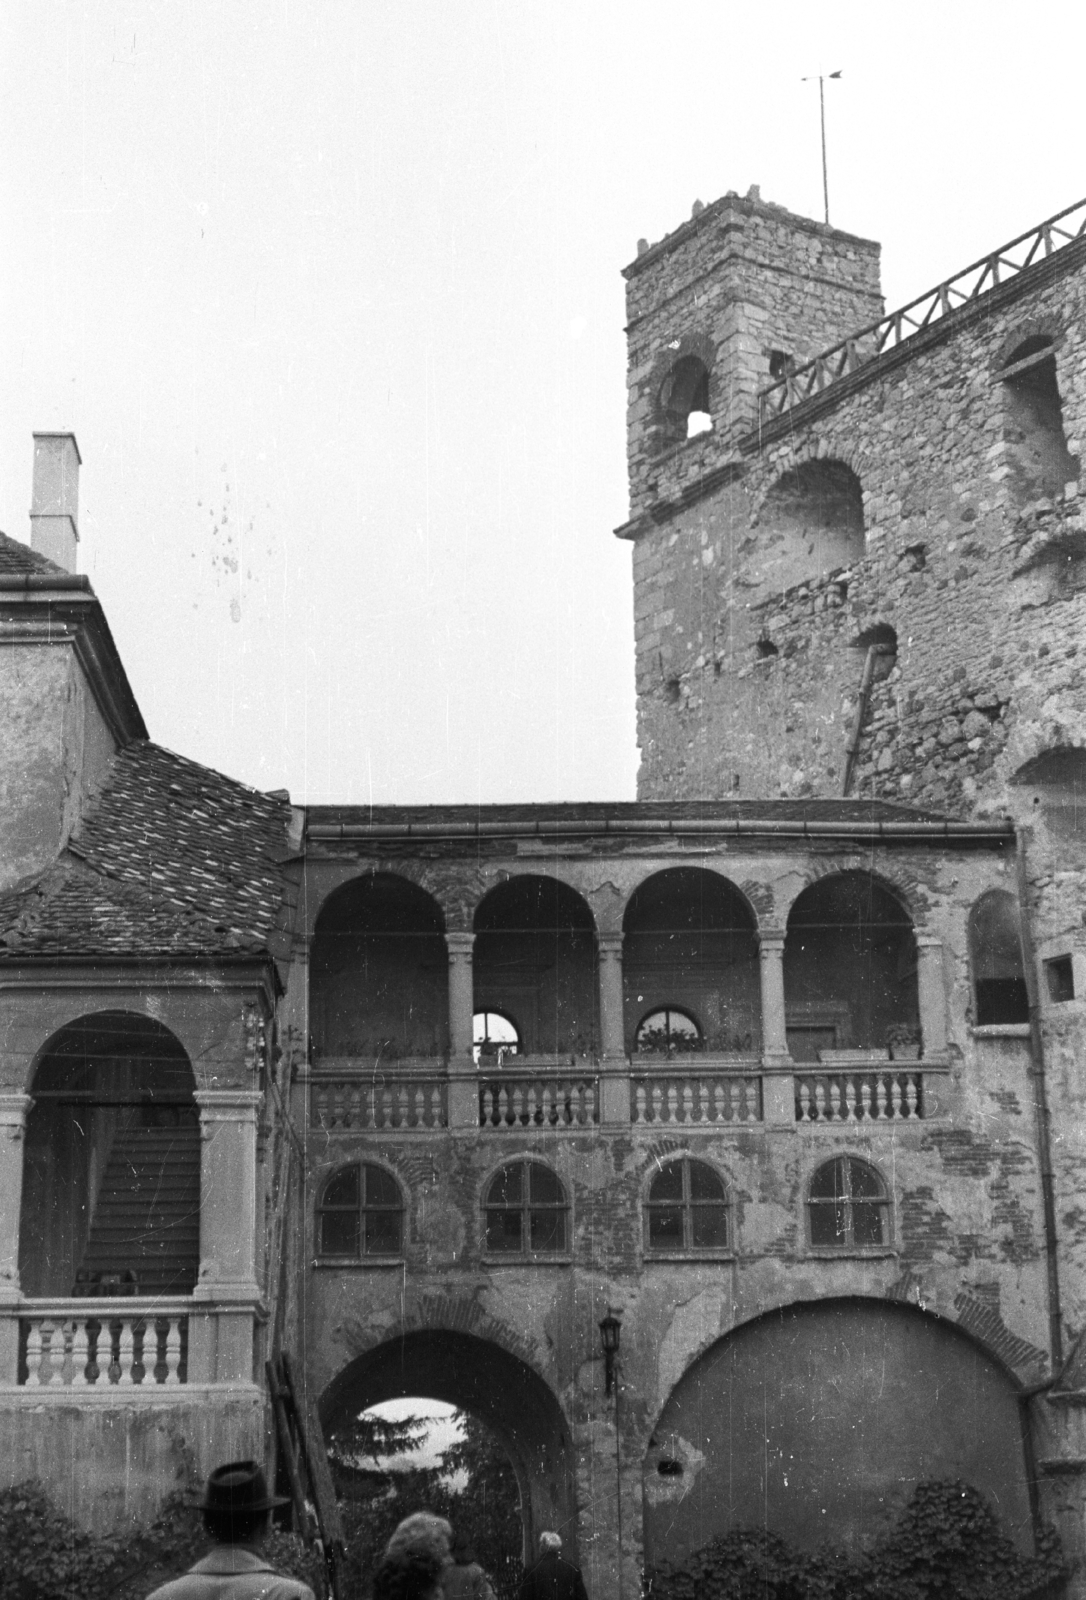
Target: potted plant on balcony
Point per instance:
(903, 1039)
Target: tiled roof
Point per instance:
(174, 859)
(16, 558)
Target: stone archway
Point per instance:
(501, 1390)
(817, 1420)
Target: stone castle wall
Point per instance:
(983, 592)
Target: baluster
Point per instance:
(880, 1098)
(124, 1354)
(80, 1353)
(835, 1100)
(173, 1349)
(335, 1098)
(657, 1102)
(592, 1111)
(865, 1099)
(402, 1112)
(720, 1104)
(895, 1096)
(820, 1100)
(911, 1094)
(850, 1099)
(672, 1103)
(688, 1102)
(639, 1103)
(33, 1354)
(487, 1101)
(803, 1100)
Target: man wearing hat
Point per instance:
(237, 1514)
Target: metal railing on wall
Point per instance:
(895, 328)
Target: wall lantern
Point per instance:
(610, 1328)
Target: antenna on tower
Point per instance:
(822, 76)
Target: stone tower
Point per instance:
(857, 570)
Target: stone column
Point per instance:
(14, 1106)
(774, 1035)
(221, 1340)
(778, 1106)
(614, 1066)
(931, 994)
(463, 1093)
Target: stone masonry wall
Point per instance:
(985, 597)
(739, 279)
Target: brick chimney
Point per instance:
(55, 506)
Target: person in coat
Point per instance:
(552, 1577)
(237, 1514)
(465, 1579)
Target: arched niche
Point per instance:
(810, 523)
(111, 1187)
(816, 1422)
(476, 1375)
(995, 956)
(689, 942)
(1055, 784)
(850, 968)
(1037, 453)
(535, 960)
(378, 972)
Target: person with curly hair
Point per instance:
(415, 1558)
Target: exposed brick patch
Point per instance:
(986, 1324)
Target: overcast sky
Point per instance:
(330, 295)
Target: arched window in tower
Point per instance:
(684, 402)
(995, 950)
(1037, 453)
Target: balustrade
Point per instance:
(556, 1100)
(97, 1344)
(892, 1096)
(380, 1103)
(691, 1099)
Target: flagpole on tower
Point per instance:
(822, 117)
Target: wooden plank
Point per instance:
(315, 1457)
(286, 1451)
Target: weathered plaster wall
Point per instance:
(110, 1467)
(808, 1422)
(55, 750)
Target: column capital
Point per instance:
(928, 941)
(610, 944)
(228, 1105)
(14, 1106)
(771, 938)
(459, 943)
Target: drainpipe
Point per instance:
(1040, 1107)
(853, 746)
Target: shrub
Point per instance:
(947, 1545)
(44, 1556)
